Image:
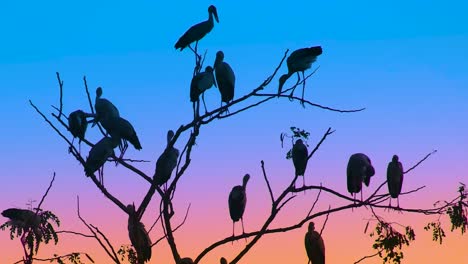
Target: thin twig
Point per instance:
(326, 220)
(267, 182)
(417, 164)
(61, 93)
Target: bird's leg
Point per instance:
(294, 87)
(303, 183)
(232, 242)
(124, 149)
(204, 104)
(303, 88)
(243, 232)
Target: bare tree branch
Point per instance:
(267, 182)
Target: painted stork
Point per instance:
(395, 178)
(314, 245)
(300, 156)
(120, 129)
(198, 31)
(225, 78)
(200, 83)
(166, 162)
(77, 125)
(104, 109)
(138, 236)
(359, 170)
(98, 155)
(237, 201)
(299, 61)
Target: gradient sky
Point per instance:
(405, 61)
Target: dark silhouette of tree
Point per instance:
(388, 239)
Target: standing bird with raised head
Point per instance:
(237, 201)
(121, 130)
(314, 245)
(300, 156)
(359, 170)
(200, 83)
(299, 61)
(138, 236)
(395, 178)
(98, 155)
(166, 163)
(77, 125)
(198, 31)
(104, 109)
(225, 78)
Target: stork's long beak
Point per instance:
(215, 13)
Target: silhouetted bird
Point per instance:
(26, 220)
(200, 83)
(395, 178)
(359, 170)
(225, 78)
(77, 125)
(300, 156)
(104, 109)
(237, 201)
(98, 155)
(314, 245)
(120, 129)
(299, 61)
(138, 236)
(22, 218)
(186, 261)
(223, 261)
(198, 31)
(166, 162)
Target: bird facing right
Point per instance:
(314, 245)
(237, 201)
(359, 170)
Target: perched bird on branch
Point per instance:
(200, 83)
(198, 31)
(121, 130)
(394, 178)
(77, 125)
(237, 201)
(314, 245)
(359, 170)
(23, 218)
(300, 156)
(166, 162)
(225, 78)
(299, 61)
(98, 155)
(104, 109)
(138, 236)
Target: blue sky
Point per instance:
(405, 61)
